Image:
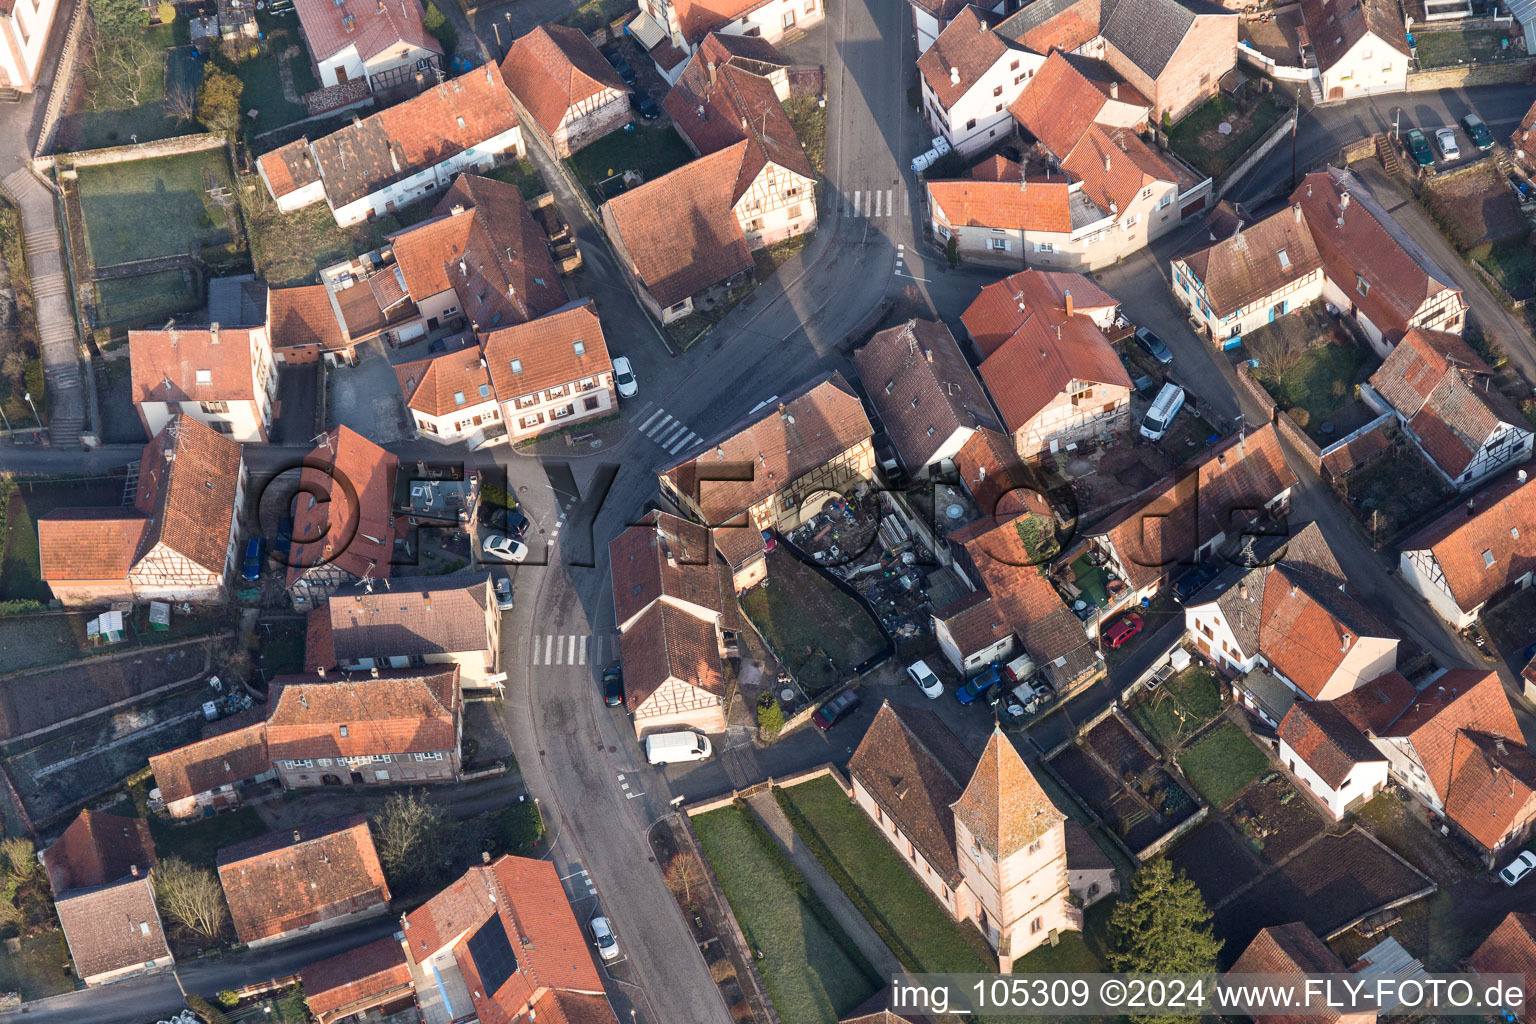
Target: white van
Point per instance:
(676, 747)
(1164, 408)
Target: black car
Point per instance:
(613, 686)
(644, 105)
(1194, 580)
(510, 521)
(1153, 345)
(621, 66)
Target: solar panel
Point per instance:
(494, 959)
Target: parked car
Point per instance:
(1194, 580)
(255, 558)
(500, 548)
(835, 710)
(504, 594)
(621, 66)
(1418, 146)
(1153, 345)
(674, 747)
(624, 377)
(926, 681)
(613, 686)
(971, 691)
(1164, 408)
(644, 105)
(1119, 632)
(509, 521)
(1446, 138)
(603, 938)
(1518, 868)
(1477, 131)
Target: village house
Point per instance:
(1357, 258)
(1237, 487)
(305, 327)
(1292, 949)
(502, 943)
(1069, 93)
(983, 836)
(1474, 557)
(450, 399)
(1511, 949)
(1445, 397)
(402, 154)
(352, 535)
(415, 622)
(313, 878)
(1361, 46)
(566, 87)
(99, 869)
(969, 77)
(931, 17)
(671, 31)
(923, 391)
(355, 40)
(1522, 144)
(348, 985)
(989, 468)
(213, 773)
(1055, 377)
(816, 445)
(24, 29)
(178, 540)
(1336, 763)
(225, 378)
(389, 727)
(678, 620)
(551, 373)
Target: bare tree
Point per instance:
(684, 873)
(120, 70)
(180, 105)
(1278, 350)
(20, 858)
(191, 896)
(408, 833)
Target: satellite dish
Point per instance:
(787, 694)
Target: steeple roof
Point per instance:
(1003, 804)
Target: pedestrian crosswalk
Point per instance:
(571, 648)
(668, 432)
(876, 203)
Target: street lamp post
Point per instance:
(34, 409)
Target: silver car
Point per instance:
(624, 377)
(603, 938)
(1446, 138)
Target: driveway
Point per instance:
(298, 391)
(366, 397)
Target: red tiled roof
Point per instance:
(965, 50)
(1011, 572)
(445, 384)
(89, 543)
(289, 168)
(559, 1007)
(1061, 102)
(1511, 949)
(1003, 805)
(404, 711)
(974, 622)
(997, 168)
(112, 927)
(228, 756)
(1043, 204)
(663, 556)
(667, 643)
(1063, 26)
(1246, 267)
(554, 68)
(290, 879)
(331, 27)
(1460, 700)
(559, 954)
(1325, 738)
(990, 468)
(1306, 632)
(1492, 794)
(698, 18)
(190, 497)
(351, 528)
(995, 315)
(417, 617)
(1335, 26)
(722, 47)
(165, 364)
(546, 351)
(303, 316)
(1376, 705)
(97, 849)
(356, 976)
(1114, 165)
(1289, 949)
(737, 105)
(1498, 523)
(679, 231)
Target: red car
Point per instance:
(1122, 629)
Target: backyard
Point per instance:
(111, 109)
(40, 968)
(142, 209)
(1318, 389)
(147, 298)
(1179, 708)
(1512, 264)
(524, 175)
(808, 972)
(262, 77)
(818, 633)
(652, 151)
(22, 502)
(1222, 763)
(898, 906)
(1394, 492)
(291, 248)
(598, 14)
(1141, 806)
(1199, 141)
(1442, 49)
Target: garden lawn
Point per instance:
(524, 175)
(596, 14)
(1322, 380)
(1222, 763)
(145, 299)
(902, 906)
(1180, 707)
(1512, 264)
(809, 976)
(1196, 141)
(818, 633)
(199, 842)
(263, 82)
(651, 151)
(1442, 49)
(290, 248)
(20, 566)
(142, 209)
(40, 969)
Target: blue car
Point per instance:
(972, 691)
(255, 556)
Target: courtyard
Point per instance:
(818, 633)
(1396, 492)
(1199, 140)
(144, 209)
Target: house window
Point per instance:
(1045, 247)
(382, 758)
(1035, 925)
(997, 244)
(590, 403)
(810, 6)
(1013, 67)
(1284, 258)
(970, 124)
(998, 91)
(1146, 193)
(325, 762)
(379, 774)
(223, 427)
(205, 376)
(458, 398)
(1362, 285)
(794, 211)
(433, 755)
(1034, 847)
(1488, 557)
(343, 731)
(789, 19)
(1166, 201)
(214, 406)
(531, 421)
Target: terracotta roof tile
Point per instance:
(303, 316)
(974, 622)
(546, 352)
(1325, 738)
(698, 18)
(723, 47)
(1047, 25)
(190, 497)
(457, 910)
(1246, 267)
(289, 168)
(994, 316)
(1511, 949)
(679, 231)
(1289, 949)
(351, 529)
(667, 643)
(1041, 205)
(559, 954)
(997, 168)
(220, 759)
(1306, 631)
(967, 46)
(1003, 804)
(331, 27)
(1335, 26)
(738, 106)
(290, 879)
(554, 68)
(663, 556)
(1492, 794)
(98, 849)
(1376, 705)
(990, 468)
(1460, 700)
(558, 1007)
(165, 365)
(412, 618)
(1012, 572)
(1114, 164)
(397, 712)
(89, 543)
(814, 425)
(364, 973)
(445, 384)
(1064, 99)
(1501, 526)
(112, 927)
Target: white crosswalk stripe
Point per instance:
(565, 649)
(877, 204)
(668, 432)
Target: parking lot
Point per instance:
(366, 397)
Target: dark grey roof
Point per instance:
(1308, 561)
(1149, 31)
(1032, 15)
(239, 301)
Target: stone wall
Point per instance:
(1502, 73)
(1288, 428)
(141, 151)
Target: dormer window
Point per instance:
(517, 366)
(1285, 259)
(343, 732)
(205, 376)
(458, 398)
(485, 391)
(580, 347)
(1488, 557)
(890, 386)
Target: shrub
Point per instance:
(522, 826)
(770, 717)
(228, 998)
(438, 24)
(206, 1011)
(166, 12)
(218, 101)
(1301, 416)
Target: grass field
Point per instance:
(1322, 381)
(20, 570)
(1180, 707)
(817, 632)
(1443, 49)
(809, 977)
(1222, 764)
(1198, 142)
(148, 298)
(651, 151)
(885, 887)
(264, 85)
(104, 117)
(147, 208)
(41, 968)
(199, 842)
(523, 174)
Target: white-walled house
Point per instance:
(450, 399)
(973, 633)
(24, 29)
(551, 372)
(1330, 756)
(969, 77)
(1361, 46)
(402, 154)
(566, 86)
(671, 31)
(225, 378)
(354, 39)
(931, 17)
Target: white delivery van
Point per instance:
(675, 747)
(1164, 408)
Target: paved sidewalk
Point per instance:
(874, 949)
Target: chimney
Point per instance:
(928, 354)
(1106, 163)
(213, 333)
(954, 76)
(320, 672)
(394, 158)
(485, 856)
(1343, 200)
(374, 672)
(1242, 590)
(1114, 90)
(1344, 643)
(1520, 476)
(1296, 212)
(133, 869)
(1067, 295)
(456, 209)
(1471, 507)
(783, 411)
(296, 835)
(711, 67)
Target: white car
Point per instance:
(603, 938)
(1446, 138)
(1518, 868)
(500, 548)
(926, 681)
(624, 377)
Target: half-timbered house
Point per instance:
(344, 527)
(565, 87)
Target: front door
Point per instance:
(341, 76)
(357, 778)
